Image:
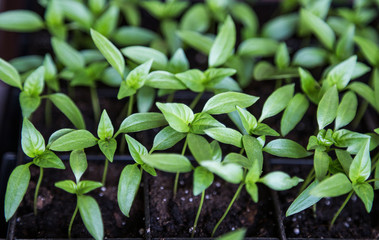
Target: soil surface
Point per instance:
(55, 206)
(175, 217)
(354, 222)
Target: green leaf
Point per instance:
(193, 79)
(108, 148)
(353, 141)
(137, 77)
(282, 57)
(136, 149)
(77, 12)
(360, 168)
(29, 104)
(321, 164)
(286, 148)
(333, 186)
(366, 193)
(16, 188)
(107, 22)
(168, 162)
(341, 73)
(346, 110)
(75, 140)
(48, 159)
(178, 62)
(344, 159)
(110, 52)
(195, 19)
(203, 121)
(277, 101)
(67, 55)
(293, 114)
(9, 74)
(225, 135)
(309, 85)
(258, 47)
(345, 45)
(26, 63)
(105, 129)
(68, 108)
(20, 21)
(243, 13)
(96, 6)
(200, 148)
(369, 49)
(217, 75)
(167, 138)
(178, 115)
(253, 150)
(202, 179)
(234, 235)
(279, 181)
(318, 27)
(78, 163)
(66, 185)
(196, 40)
(364, 91)
(87, 186)
(252, 189)
(266, 71)
(264, 130)
(310, 57)
(128, 186)
(57, 134)
(327, 107)
(141, 121)
(164, 80)
(238, 159)
(230, 172)
(132, 35)
(141, 55)
(145, 99)
(249, 122)
(32, 141)
(304, 200)
(223, 46)
(281, 27)
(91, 216)
(227, 102)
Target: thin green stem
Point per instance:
(130, 106)
(361, 112)
(196, 100)
(340, 210)
(130, 111)
(309, 178)
(48, 113)
(105, 172)
(177, 174)
(95, 103)
(198, 214)
(374, 161)
(72, 221)
(227, 210)
(372, 180)
(242, 151)
(170, 97)
(37, 190)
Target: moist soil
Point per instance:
(354, 222)
(55, 206)
(175, 217)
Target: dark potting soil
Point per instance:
(175, 217)
(353, 222)
(55, 206)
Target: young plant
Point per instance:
(86, 205)
(31, 89)
(33, 145)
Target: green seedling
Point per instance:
(86, 205)
(33, 145)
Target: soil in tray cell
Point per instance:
(353, 222)
(55, 206)
(175, 217)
